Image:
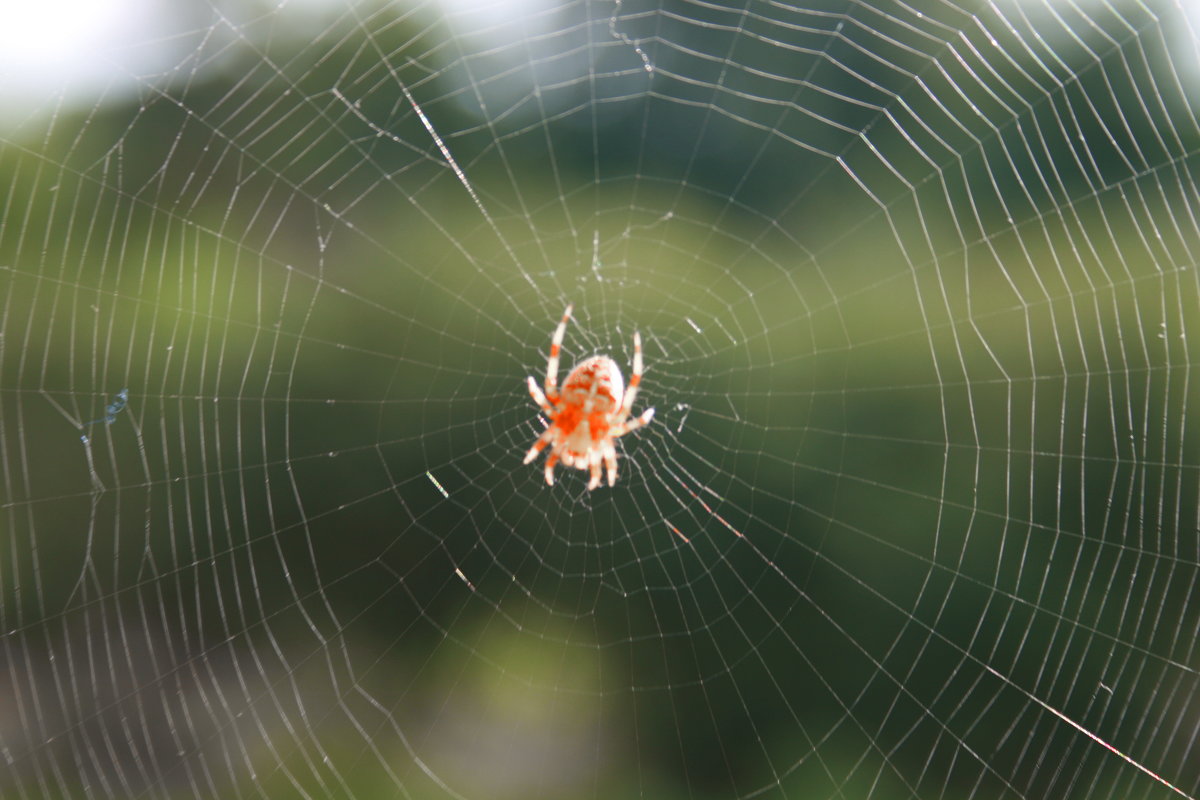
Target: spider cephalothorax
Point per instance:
(591, 411)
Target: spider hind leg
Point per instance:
(551, 460)
(593, 469)
(610, 461)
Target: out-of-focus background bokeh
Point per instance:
(918, 512)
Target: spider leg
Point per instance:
(635, 377)
(551, 460)
(610, 460)
(623, 428)
(538, 397)
(539, 445)
(552, 362)
(594, 468)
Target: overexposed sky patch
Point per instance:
(51, 46)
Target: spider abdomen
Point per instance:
(595, 384)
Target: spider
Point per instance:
(592, 410)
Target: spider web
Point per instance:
(917, 515)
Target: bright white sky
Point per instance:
(49, 42)
(46, 44)
(76, 52)
(81, 49)
(75, 48)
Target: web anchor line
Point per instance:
(709, 508)
(438, 484)
(1128, 759)
(462, 178)
(462, 576)
(450, 160)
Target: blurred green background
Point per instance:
(915, 282)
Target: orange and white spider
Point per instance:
(592, 410)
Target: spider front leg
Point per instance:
(635, 377)
(539, 398)
(552, 362)
(632, 425)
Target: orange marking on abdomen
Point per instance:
(598, 425)
(568, 419)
